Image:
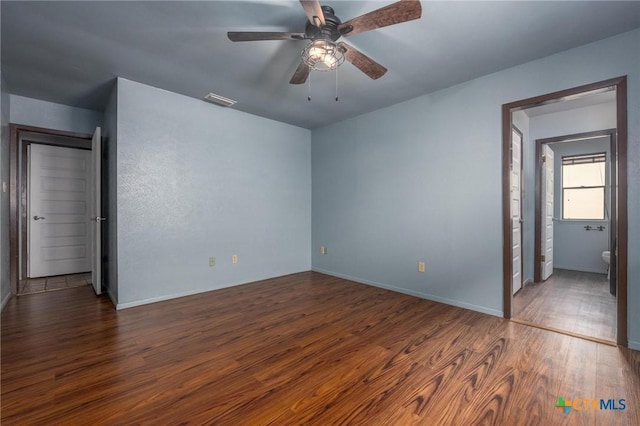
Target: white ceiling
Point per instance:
(70, 52)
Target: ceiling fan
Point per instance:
(324, 28)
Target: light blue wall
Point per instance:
(421, 180)
(575, 248)
(109, 208)
(197, 180)
(5, 285)
(34, 112)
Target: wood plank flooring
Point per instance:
(577, 302)
(302, 349)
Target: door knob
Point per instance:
(99, 219)
(38, 217)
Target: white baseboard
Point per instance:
(162, 298)
(634, 345)
(421, 295)
(5, 301)
(141, 302)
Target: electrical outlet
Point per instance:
(421, 267)
(234, 258)
(212, 261)
(323, 250)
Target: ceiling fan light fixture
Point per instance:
(323, 55)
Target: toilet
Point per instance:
(606, 255)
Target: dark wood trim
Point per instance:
(537, 220)
(579, 136)
(620, 85)
(507, 270)
(14, 195)
(613, 263)
(622, 218)
(15, 191)
(563, 95)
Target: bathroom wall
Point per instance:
(574, 247)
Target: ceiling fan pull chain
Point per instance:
(336, 84)
(309, 81)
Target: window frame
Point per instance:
(594, 159)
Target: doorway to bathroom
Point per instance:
(574, 153)
(573, 288)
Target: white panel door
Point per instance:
(59, 238)
(96, 220)
(516, 209)
(547, 212)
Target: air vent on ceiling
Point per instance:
(220, 100)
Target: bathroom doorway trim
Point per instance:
(618, 185)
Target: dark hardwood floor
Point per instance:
(573, 301)
(296, 350)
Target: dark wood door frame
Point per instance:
(16, 196)
(619, 84)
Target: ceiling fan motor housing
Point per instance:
(329, 31)
(323, 29)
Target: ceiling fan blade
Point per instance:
(396, 13)
(256, 36)
(314, 12)
(301, 74)
(363, 62)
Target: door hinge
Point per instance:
(542, 258)
(544, 158)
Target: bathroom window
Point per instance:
(583, 186)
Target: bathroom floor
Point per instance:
(58, 282)
(573, 301)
